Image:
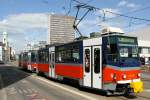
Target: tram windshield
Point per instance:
(128, 51)
(121, 51)
(33, 57)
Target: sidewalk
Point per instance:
(14, 63)
(145, 75)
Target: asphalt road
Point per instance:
(16, 84)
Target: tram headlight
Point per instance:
(139, 74)
(124, 76)
(111, 75)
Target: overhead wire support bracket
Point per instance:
(76, 23)
(83, 16)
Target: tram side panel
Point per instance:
(25, 60)
(43, 61)
(19, 60)
(29, 61)
(69, 62)
(34, 60)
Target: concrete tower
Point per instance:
(60, 29)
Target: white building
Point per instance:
(143, 35)
(60, 29)
(144, 50)
(1, 52)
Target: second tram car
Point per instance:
(23, 60)
(43, 61)
(32, 60)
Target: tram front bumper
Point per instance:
(137, 86)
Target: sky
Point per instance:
(26, 21)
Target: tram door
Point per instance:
(92, 67)
(29, 61)
(52, 64)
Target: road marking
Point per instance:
(24, 91)
(2, 90)
(34, 90)
(29, 90)
(24, 81)
(66, 89)
(147, 90)
(32, 95)
(12, 90)
(20, 91)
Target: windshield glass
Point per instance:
(128, 51)
(128, 56)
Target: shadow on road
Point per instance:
(10, 75)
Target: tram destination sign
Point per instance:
(127, 40)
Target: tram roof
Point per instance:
(75, 41)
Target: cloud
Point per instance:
(132, 5)
(22, 22)
(122, 3)
(25, 27)
(125, 3)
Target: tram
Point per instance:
(110, 62)
(32, 60)
(43, 61)
(23, 60)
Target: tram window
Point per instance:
(41, 56)
(46, 59)
(112, 52)
(96, 60)
(68, 56)
(87, 60)
(75, 55)
(19, 58)
(124, 52)
(33, 57)
(134, 51)
(59, 57)
(53, 55)
(50, 57)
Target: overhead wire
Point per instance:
(118, 15)
(137, 10)
(70, 5)
(115, 13)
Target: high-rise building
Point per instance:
(60, 29)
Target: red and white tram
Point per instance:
(110, 62)
(32, 60)
(23, 60)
